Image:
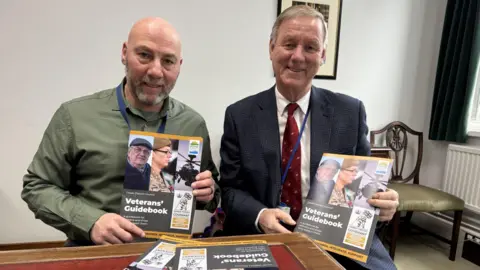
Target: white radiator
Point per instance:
(462, 175)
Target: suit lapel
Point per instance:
(320, 128)
(266, 121)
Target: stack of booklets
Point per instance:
(157, 193)
(159, 255)
(336, 213)
(170, 253)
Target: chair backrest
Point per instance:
(396, 138)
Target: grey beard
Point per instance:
(137, 90)
(143, 98)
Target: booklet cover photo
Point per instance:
(336, 213)
(157, 194)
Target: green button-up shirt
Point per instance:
(77, 173)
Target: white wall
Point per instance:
(58, 50)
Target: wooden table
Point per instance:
(296, 247)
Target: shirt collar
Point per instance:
(282, 102)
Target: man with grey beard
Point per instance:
(75, 180)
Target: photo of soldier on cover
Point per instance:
(343, 222)
(160, 179)
(161, 164)
(160, 169)
(346, 184)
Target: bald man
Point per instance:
(75, 180)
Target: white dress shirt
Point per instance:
(299, 116)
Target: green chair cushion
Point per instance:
(425, 199)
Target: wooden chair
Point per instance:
(413, 197)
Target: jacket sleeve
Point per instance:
(238, 204)
(363, 146)
(208, 164)
(47, 181)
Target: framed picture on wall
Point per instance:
(332, 12)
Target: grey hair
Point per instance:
(299, 11)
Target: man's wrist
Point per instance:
(86, 219)
(256, 220)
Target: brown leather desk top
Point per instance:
(293, 250)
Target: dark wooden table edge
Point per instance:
(328, 255)
(47, 260)
(116, 251)
(299, 258)
(316, 244)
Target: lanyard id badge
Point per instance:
(285, 208)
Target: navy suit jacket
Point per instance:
(250, 167)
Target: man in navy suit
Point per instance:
(256, 147)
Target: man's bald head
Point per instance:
(154, 26)
(152, 57)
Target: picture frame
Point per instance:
(332, 11)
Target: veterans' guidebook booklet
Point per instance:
(157, 193)
(336, 213)
(233, 255)
(159, 256)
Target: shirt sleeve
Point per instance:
(48, 179)
(257, 219)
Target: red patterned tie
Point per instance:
(292, 187)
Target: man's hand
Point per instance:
(270, 219)
(387, 202)
(204, 187)
(114, 229)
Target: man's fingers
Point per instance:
(203, 175)
(284, 217)
(202, 192)
(384, 217)
(387, 213)
(130, 227)
(112, 239)
(99, 241)
(205, 198)
(270, 221)
(387, 195)
(123, 235)
(383, 204)
(202, 183)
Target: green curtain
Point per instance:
(456, 63)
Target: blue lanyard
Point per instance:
(284, 176)
(123, 110)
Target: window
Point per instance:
(473, 126)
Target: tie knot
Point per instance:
(291, 108)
